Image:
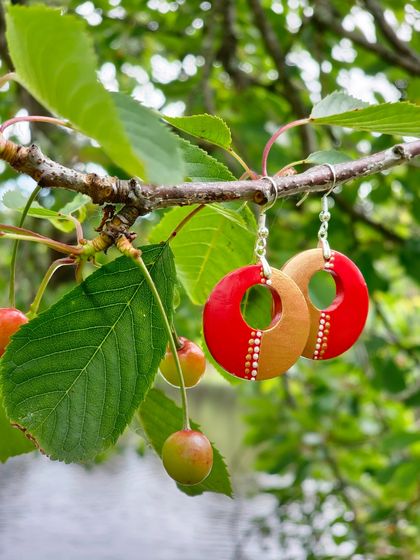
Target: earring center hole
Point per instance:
(322, 289)
(261, 307)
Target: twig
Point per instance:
(140, 198)
(377, 10)
(325, 18)
(291, 90)
(360, 216)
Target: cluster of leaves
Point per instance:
(351, 423)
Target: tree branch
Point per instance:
(143, 198)
(377, 11)
(360, 216)
(227, 52)
(292, 91)
(325, 19)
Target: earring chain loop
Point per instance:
(325, 216)
(262, 233)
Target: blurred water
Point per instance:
(126, 508)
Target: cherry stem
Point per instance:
(171, 338)
(22, 234)
(33, 309)
(183, 222)
(270, 143)
(34, 118)
(179, 345)
(12, 284)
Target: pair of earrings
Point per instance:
(298, 327)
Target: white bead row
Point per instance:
(324, 322)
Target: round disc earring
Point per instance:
(335, 329)
(242, 350)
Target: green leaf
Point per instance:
(200, 166)
(214, 242)
(388, 375)
(400, 440)
(65, 82)
(206, 127)
(256, 307)
(407, 475)
(160, 418)
(336, 103)
(76, 204)
(74, 376)
(14, 200)
(151, 140)
(327, 156)
(12, 440)
(401, 118)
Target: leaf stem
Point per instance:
(50, 120)
(183, 222)
(172, 343)
(33, 308)
(77, 225)
(270, 143)
(12, 282)
(281, 172)
(6, 78)
(241, 161)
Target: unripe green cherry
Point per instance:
(10, 321)
(187, 456)
(192, 360)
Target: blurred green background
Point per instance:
(341, 439)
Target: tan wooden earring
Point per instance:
(335, 329)
(243, 350)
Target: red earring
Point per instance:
(335, 329)
(240, 349)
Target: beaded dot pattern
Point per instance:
(321, 345)
(335, 329)
(251, 359)
(247, 352)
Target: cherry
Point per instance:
(193, 364)
(187, 457)
(10, 321)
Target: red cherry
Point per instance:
(10, 321)
(187, 457)
(193, 364)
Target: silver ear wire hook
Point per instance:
(270, 203)
(334, 178)
(325, 216)
(334, 183)
(262, 234)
